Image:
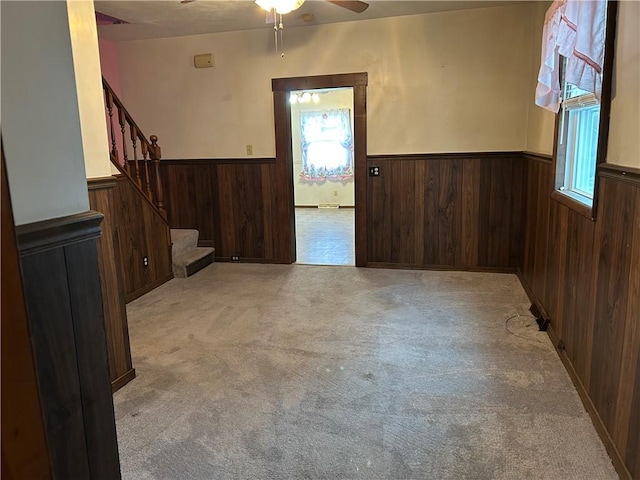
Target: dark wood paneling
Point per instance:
(190, 188)
(538, 189)
(232, 204)
(24, 448)
(585, 274)
(142, 233)
(611, 289)
(102, 199)
(56, 362)
(64, 305)
(81, 260)
(446, 210)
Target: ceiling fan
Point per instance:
(286, 6)
(278, 8)
(353, 5)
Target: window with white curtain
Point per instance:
(327, 145)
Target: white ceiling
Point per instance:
(170, 18)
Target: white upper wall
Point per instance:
(624, 146)
(40, 119)
(541, 122)
(442, 82)
(86, 59)
(624, 126)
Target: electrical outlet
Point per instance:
(249, 149)
(335, 193)
(145, 261)
(235, 258)
(374, 171)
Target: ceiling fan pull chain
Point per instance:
(275, 28)
(281, 28)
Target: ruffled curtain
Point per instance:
(327, 145)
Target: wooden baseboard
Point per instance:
(616, 458)
(558, 344)
(446, 268)
(147, 288)
(249, 260)
(122, 380)
(532, 298)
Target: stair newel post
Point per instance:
(114, 150)
(121, 121)
(134, 136)
(147, 182)
(156, 154)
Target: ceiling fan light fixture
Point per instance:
(282, 7)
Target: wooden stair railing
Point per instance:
(145, 177)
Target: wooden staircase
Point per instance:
(143, 167)
(138, 161)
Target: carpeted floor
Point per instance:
(294, 372)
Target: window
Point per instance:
(327, 145)
(578, 138)
(582, 129)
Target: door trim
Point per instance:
(281, 88)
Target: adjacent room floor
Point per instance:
(325, 236)
(293, 371)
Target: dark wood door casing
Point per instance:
(24, 447)
(284, 156)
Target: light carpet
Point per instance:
(294, 372)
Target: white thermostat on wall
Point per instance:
(203, 60)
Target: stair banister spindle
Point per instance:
(114, 150)
(134, 136)
(143, 145)
(152, 191)
(155, 154)
(122, 122)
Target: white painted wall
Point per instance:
(540, 121)
(40, 119)
(313, 193)
(442, 82)
(624, 127)
(86, 60)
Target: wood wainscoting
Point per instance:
(584, 275)
(141, 233)
(231, 202)
(59, 263)
(102, 198)
(461, 211)
(423, 211)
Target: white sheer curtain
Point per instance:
(327, 145)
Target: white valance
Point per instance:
(574, 29)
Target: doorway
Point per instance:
(282, 90)
(323, 180)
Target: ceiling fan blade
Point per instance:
(353, 5)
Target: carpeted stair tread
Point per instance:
(183, 240)
(192, 261)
